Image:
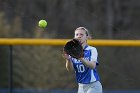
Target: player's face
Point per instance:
(81, 35)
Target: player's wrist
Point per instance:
(81, 58)
(83, 61)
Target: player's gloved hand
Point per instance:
(74, 48)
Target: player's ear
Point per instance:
(89, 37)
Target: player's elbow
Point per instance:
(93, 65)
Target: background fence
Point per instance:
(36, 65)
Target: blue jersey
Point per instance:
(85, 74)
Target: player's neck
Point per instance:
(84, 44)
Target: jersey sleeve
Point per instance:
(94, 55)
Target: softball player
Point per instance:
(86, 67)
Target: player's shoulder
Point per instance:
(91, 47)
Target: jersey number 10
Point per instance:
(80, 68)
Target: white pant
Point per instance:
(94, 87)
